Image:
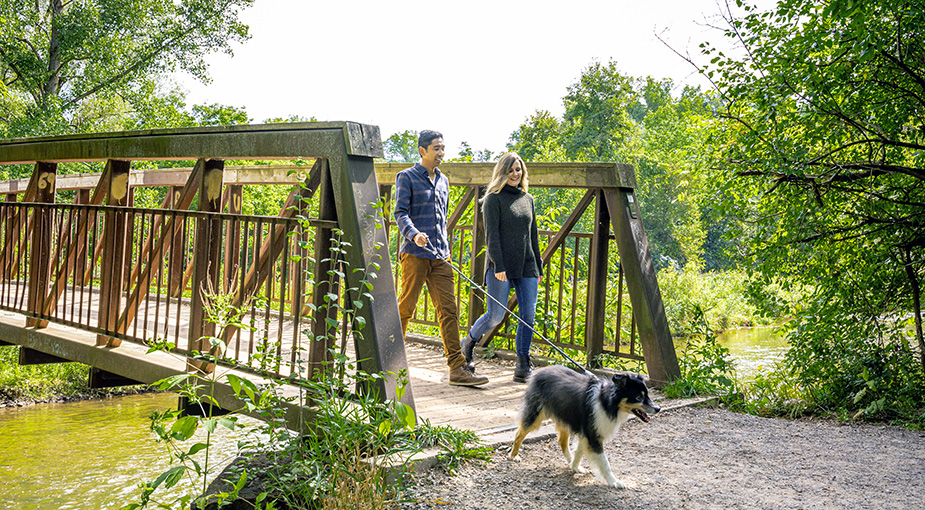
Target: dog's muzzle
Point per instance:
(642, 415)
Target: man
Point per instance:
(421, 205)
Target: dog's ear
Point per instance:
(619, 380)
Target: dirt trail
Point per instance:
(702, 457)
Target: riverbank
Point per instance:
(6, 400)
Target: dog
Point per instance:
(584, 405)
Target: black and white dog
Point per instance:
(585, 405)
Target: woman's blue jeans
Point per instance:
(526, 290)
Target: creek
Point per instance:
(89, 454)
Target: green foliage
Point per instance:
(613, 117)
(402, 147)
(720, 296)
(820, 162)
(39, 382)
(705, 365)
(93, 65)
(468, 155)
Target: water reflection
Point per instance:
(85, 455)
(754, 350)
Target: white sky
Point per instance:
(472, 69)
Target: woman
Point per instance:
(513, 258)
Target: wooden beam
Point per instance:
(40, 246)
(112, 279)
(155, 250)
(597, 282)
(207, 259)
(254, 141)
(76, 247)
(542, 175)
(648, 307)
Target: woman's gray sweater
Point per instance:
(511, 233)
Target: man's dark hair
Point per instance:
(427, 136)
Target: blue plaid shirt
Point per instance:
(421, 206)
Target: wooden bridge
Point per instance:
(87, 275)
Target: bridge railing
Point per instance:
(158, 263)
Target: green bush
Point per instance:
(39, 382)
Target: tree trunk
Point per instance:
(53, 84)
(916, 304)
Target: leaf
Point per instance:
(196, 448)
(170, 477)
(184, 428)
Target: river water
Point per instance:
(87, 455)
(91, 455)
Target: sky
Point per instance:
(474, 70)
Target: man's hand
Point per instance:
(421, 239)
(501, 277)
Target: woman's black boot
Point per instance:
(468, 350)
(522, 370)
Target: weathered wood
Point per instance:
(40, 256)
(114, 225)
(270, 249)
(478, 261)
(597, 282)
(648, 307)
(261, 141)
(381, 349)
(206, 259)
(326, 281)
(542, 175)
(552, 175)
(234, 198)
(154, 248)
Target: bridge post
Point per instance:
(478, 260)
(379, 345)
(326, 281)
(597, 282)
(112, 277)
(40, 260)
(6, 257)
(235, 198)
(207, 257)
(175, 260)
(648, 307)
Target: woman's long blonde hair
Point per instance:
(499, 175)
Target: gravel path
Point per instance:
(701, 457)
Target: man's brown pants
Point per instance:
(438, 275)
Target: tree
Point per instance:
(539, 138)
(469, 155)
(73, 66)
(402, 147)
(597, 113)
(822, 157)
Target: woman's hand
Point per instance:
(501, 277)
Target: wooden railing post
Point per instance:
(597, 282)
(112, 277)
(319, 354)
(9, 244)
(207, 257)
(478, 260)
(235, 198)
(40, 246)
(176, 248)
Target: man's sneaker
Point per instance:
(461, 376)
(468, 349)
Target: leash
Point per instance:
(433, 250)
